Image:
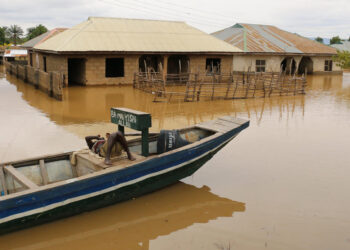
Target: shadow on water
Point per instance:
(128, 225)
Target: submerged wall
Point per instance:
(273, 63)
(95, 66)
(49, 82)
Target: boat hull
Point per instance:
(76, 197)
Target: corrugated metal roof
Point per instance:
(267, 38)
(43, 37)
(344, 46)
(15, 52)
(133, 35)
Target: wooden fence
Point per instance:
(49, 82)
(236, 85)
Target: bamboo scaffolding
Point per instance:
(190, 87)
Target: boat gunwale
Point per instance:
(204, 154)
(212, 146)
(115, 168)
(103, 171)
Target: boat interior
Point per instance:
(34, 173)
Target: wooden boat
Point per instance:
(46, 188)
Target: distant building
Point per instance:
(267, 48)
(15, 54)
(110, 50)
(343, 46)
(29, 45)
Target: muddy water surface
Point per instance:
(283, 183)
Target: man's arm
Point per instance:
(89, 139)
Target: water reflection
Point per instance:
(324, 82)
(289, 163)
(91, 105)
(128, 225)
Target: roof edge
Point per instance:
(90, 18)
(133, 52)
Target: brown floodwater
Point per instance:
(283, 183)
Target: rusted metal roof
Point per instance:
(42, 38)
(266, 38)
(99, 34)
(343, 46)
(15, 53)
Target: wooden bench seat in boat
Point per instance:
(87, 163)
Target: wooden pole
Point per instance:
(213, 87)
(3, 181)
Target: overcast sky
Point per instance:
(309, 18)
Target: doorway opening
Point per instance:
(178, 69)
(150, 63)
(76, 71)
(305, 65)
(288, 65)
(178, 64)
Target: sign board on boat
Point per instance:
(131, 118)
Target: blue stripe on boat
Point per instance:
(57, 194)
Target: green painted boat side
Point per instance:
(122, 194)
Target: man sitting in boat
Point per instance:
(111, 147)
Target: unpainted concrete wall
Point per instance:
(49, 82)
(95, 66)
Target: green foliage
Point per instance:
(33, 32)
(319, 39)
(343, 59)
(3, 35)
(14, 32)
(335, 40)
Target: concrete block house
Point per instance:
(33, 58)
(108, 51)
(266, 48)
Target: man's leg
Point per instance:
(112, 140)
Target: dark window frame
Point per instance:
(328, 65)
(260, 65)
(114, 67)
(211, 63)
(31, 59)
(44, 64)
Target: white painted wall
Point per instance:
(273, 63)
(319, 63)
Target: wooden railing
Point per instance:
(236, 85)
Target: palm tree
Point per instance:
(3, 35)
(15, 32)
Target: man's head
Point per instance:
(107, 135)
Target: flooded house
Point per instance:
(15, 54)
(266, 48)
(109, 51)
(29, 45)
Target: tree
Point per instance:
(319, 39)
(3, 35)
(343, 59)
(36, 31)
(335, 40)
(15, 32)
